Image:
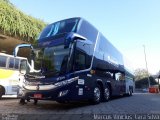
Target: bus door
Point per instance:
(14, 79)
(115, 84)
(120, 82)
(83, 59)
(82, 62)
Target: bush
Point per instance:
(16, 24)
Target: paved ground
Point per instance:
(139, 103)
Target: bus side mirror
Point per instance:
(15, 52)
(71, 37)
(16, 49)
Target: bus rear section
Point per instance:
(9, 75)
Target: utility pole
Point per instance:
(158, 80)
(146, 66)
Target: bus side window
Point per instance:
(80, 62)
(16, 64)
(11, 63)
(3, 61)
(119, 76)
(88, 31)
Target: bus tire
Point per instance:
(35, 101)
(1, 93)
(106, 94)
(22, 101)
(97, 95)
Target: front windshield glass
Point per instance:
(60, 27)
(51, 59)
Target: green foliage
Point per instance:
(140, 74)
(143, 83)
(16, 24)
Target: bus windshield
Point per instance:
(51, 60)
(60, 27)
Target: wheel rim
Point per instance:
(97, 94)
(106, 93)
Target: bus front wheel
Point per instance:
(96, 95)
(35, 101)
(1, 94)
(2, 91)
(22, 101)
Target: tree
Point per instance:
(140, 74)
(141, 78)
(15, 23)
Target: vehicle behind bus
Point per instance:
(10, 78)
(74, 61)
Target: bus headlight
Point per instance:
(65, 82)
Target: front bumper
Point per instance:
(72, 91)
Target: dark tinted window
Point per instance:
(3, 60)
(102, 44)
(11, 63)
(109, 50)
(88, 31)
(16, 64)
(80, 61)
(60, 27)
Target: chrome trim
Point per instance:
(51, 86)
(85, 70)
(41, 87)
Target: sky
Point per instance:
(127, 24)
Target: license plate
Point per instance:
(37, 95)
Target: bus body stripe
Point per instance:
(4, 73)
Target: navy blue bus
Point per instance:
(73, 61)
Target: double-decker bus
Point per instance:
(74, 61)
(10, 77)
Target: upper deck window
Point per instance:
(64, 26)
(88, 31)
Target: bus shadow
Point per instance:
(59, 106)
(119, 97)
(49, 105)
